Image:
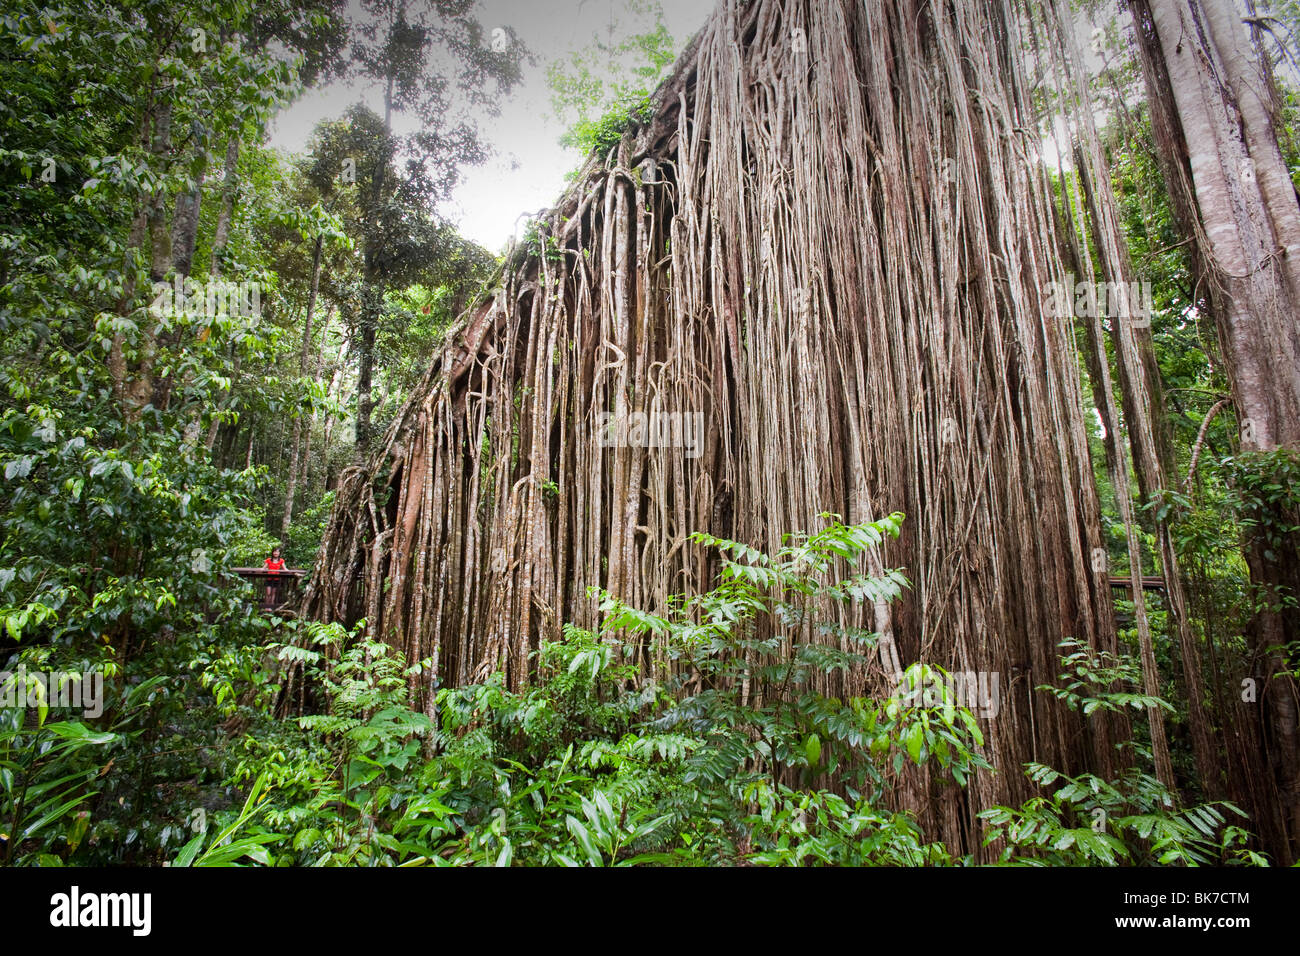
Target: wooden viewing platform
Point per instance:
(279, 589)
(1150, 582)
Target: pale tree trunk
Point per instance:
(220, 237)
(185, 225)
(372, 300)
(184, 237)
(117, 363)
(141, 389)
(1144, 418)
(336, 383)
(230, 189)
(133, 380)
(304, 478)
(372, 304)
(1248, 211)
(1246, 222)
(296, 441)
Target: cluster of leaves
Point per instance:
(606, 87)
(1135, 819)
(608, 758)
(595, 763)
(1266, 488)
(307, 530)
(602, 133)
(43, 777)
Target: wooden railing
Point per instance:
(1120, 582)
(1150, 582)
(277, 590)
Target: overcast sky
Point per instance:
(527, 172)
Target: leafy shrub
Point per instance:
(1134, 819)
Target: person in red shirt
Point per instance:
(274, 565)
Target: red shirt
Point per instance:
(273, 565)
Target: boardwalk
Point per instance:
(278, 590)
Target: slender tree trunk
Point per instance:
(372, 303)
(304, 479)
(296, 441)
(1118, 461)
(133, 380)
(184, 237)
(372, 298)
(185, 225)
(336, 383)
(230, 189)
(220, 237)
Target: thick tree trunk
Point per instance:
(372, 295)
(1239, 204)
(1144, 419)
(1248, 211)
(829, 245)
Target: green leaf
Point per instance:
(583, 837)
(506, 855)
(812, 749)
(80, 733)
(915, 739)
(189, 852)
